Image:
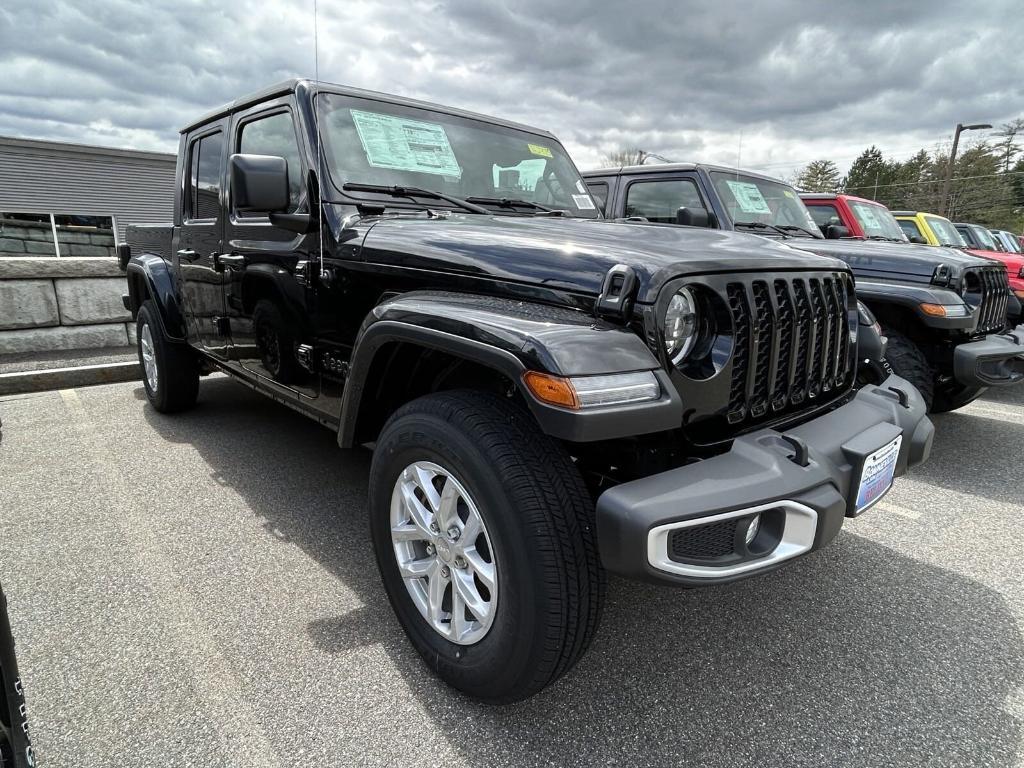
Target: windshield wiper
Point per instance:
(761, 225)
(414, 192)
(795, 228)
(884, 238)
(512, 202)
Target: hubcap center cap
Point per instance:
(443, 549)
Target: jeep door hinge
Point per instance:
(617, 293)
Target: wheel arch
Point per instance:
(149, 277)
(425, 342)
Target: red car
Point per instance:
(873, 221)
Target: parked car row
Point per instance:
(947, 315)
(671, 379)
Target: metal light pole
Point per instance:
(960, 128)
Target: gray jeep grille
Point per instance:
(987, 291)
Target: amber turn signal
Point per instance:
(551, 389)
(935, 310)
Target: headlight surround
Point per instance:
(680, 325)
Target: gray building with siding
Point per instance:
(60, 199)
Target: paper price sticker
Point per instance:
(748, 197)
(401, 144)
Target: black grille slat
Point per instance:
(791, 342)
(741, 329)
(803, 341)
(760, 374)
(784, 362)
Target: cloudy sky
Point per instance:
(777, 83)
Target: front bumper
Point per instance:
(801, 481)
(995, 361)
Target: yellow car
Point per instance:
(928, 228)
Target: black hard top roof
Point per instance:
(630, 170)
(290, 86)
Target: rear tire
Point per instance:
(170, 371)
(539, 524)
(275, 342)
(909, 362)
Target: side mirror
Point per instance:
(259, 183)
(918, 239)
(836, 231)
(695, 217)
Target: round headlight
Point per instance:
(680, 325)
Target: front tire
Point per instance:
(169, 369)
(908, 361)
(443, 459)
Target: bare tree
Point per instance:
(626, 156)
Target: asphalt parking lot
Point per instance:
(200, 590)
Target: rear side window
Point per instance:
(205, 165)
(599, 190)
(275, 135)
(658, 201)
(824, 215)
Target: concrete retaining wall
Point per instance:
(49, 304)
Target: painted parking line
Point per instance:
(237, 724)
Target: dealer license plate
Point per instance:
(877, 474)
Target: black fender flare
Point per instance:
(151, 272)
(880, 293)
(512, 337)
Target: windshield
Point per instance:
(986, 240)
(374, 142)
(1010, 241)
(750, 200)
(945, 232)
(875, 220)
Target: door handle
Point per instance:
(224, 261)
(187, 254)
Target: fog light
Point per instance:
(752, 528)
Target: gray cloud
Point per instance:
(786, 81)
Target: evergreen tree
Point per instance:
(870, 175)
(819, 176)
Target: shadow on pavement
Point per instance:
(854, 655)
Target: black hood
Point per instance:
(879, 259)
(572, 254)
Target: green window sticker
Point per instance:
(867, 218)
(401, 144)
(537, 149)
(748, 197)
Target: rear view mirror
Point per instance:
(836, 231)
(695, 217)
(259, 183)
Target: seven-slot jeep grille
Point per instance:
(791, 343)
(988, 294)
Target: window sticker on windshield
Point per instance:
(579, 186)
(583, 202)
(748, 197)
(789, 194)
(401, 144)
(867, 217)
(537, 149)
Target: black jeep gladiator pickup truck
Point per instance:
(15, 744)
(549, 396)
(945, 314)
